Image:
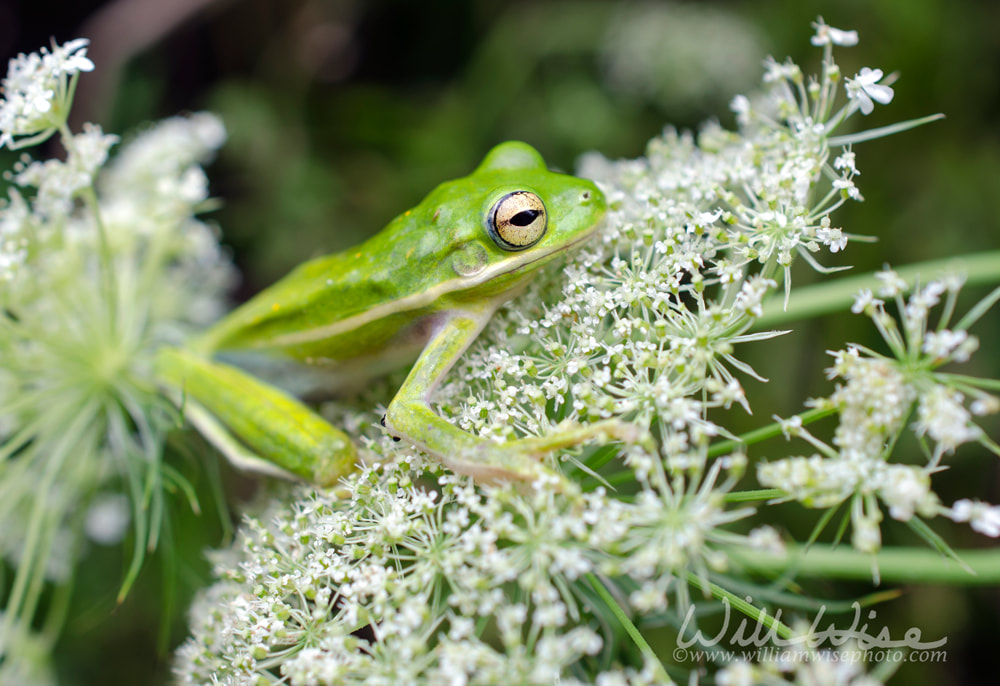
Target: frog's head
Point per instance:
(512, 215)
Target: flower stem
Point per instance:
(895, 565)
(106, 266)
(838, 295)
(765, 432)
(630, 628)
(753, 612)
(106, 258)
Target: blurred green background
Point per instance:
(343, 113)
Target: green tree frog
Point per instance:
(427, 283)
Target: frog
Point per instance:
(423, 287)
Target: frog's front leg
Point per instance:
(410, 416)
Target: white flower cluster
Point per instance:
(399, 581)
(103, 263)
(161, 165)
(58, 183)
(150, 194)
(144, 199)
(38, 90)
(982, 517)
(873, 404)
(879, 395)
(37, 93)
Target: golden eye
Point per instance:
(517, 220)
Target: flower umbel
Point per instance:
(879, 395)
(94, 282)
(38, 91)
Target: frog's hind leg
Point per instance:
(255, 425)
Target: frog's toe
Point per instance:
(493, 464)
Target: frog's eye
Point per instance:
(517, 220)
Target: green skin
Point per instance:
(428, 282)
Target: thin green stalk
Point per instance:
(631, 629)
(19, 607)
(105, 255)
(106, 266)
(895, 565)
(882, 131)
(766, 432)
(58, 610)
(753, 496)
(838, 295)
(978, 310)
(974, 381)
(741, 605)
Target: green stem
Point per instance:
(55, 618)
(838, 295)
(742, 606)
(106, 266)
(631, 629)
(882, 131)
(895, 565)
(754, 496)
(767, 432)
(44, 517)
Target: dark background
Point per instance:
(343, 113)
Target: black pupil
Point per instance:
(524, 217)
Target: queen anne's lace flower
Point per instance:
(879, 395)
(941, 416)
(95, 279)
(60, 183)
(866, 90)
(36, 91)
(983, 517)
(826, 34)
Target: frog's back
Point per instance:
(334, 307)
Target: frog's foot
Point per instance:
(497, 463)
(521, 460)
(568, 434)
